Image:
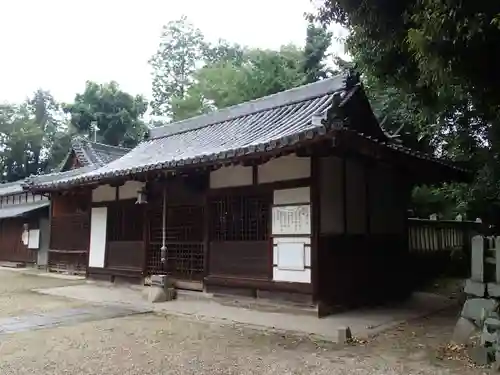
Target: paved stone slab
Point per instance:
(363, 323)
(64, 317)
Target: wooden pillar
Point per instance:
(315, 225)
(206, 233)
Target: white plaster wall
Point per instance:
(129, 189)
(356, 192)
(104, 193)
(97, 251)
(292, 254)
(284, 168)
(291, 196)
(331, 195)
(231, 176)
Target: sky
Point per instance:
(59, 44)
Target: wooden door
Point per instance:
(12, 249)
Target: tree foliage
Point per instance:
(192, 76)
(179, 51)
(29, 135)
(117, 114)
(432, 64)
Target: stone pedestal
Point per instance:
(161, 289)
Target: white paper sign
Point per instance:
(291, 220)
(34, 239)
(291, 256)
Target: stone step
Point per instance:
(12, 264)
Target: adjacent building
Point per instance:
(23, 226)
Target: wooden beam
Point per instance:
(316, 225)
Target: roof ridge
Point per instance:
(291, 96)
(79, 138)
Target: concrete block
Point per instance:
(480, 355)
(477, 266)
(496, 365)
(344, 335)
(159, 294)
(463, 331)
(170, 294)
(493, 290)
(492, 323)
(487, 338)
(156, 294)
(160, 280)
(475, 288)
(474, 307)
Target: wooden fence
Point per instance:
(440, 247)
(431, 236)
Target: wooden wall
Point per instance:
(240, 243)
(69, 231)
(12, 248)
(362, 246)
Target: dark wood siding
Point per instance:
(239, 234)
(12, 249)
(242, 258)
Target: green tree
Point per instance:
(180, 50)
(118, 115)
(318, 40)
(229, 81)
(28, 133)
(192, 77)
(436, 60)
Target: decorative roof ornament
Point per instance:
(352, 78)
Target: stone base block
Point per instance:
(159, 294)
(162, 281)
(477, 308)
(480, 355)
(344, 335)
(475, 288)
(493, 290)
(463, 331)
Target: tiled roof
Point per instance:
(10, 188)
(94, 153)
(273, 122)
(15, 210)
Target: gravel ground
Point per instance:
(150, 344)
(16, 297)
(153, 344)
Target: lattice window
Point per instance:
(125, 221)
(184, 241)
(240, 217)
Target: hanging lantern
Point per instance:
(142, 197)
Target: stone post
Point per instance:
(476, 284)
